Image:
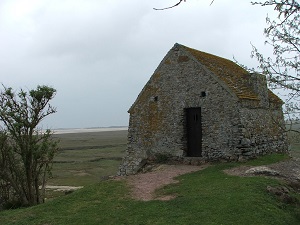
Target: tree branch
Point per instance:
(177, 4)
(170, 7)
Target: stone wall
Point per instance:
(262, 124)
(231, 128)
(258, 84)
(262, 132)
(157, 119)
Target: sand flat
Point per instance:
(87, 130)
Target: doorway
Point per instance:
(194, 132)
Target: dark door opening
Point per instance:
(194, 132)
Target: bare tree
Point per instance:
(282, 68)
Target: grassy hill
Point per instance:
(205, 197)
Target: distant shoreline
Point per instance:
(87, 130)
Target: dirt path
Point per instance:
(144, 184)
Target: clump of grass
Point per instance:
(268, 159)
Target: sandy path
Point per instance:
(144, 185)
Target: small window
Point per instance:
(203, 93)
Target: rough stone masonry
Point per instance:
(199, 107)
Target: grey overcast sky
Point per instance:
(99, 54)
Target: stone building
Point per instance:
(200, 107)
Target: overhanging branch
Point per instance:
(170, 7)
(177, 4)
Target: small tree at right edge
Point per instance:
(282, 68)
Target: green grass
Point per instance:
(79, 140)
(205, 197)
(85, 158)
(267, 159)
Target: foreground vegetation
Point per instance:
(205, 197)
(26, 153)
(86, 158)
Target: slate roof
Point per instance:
(234, 76)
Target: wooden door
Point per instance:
(194, 132)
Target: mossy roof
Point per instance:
(234, 76)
